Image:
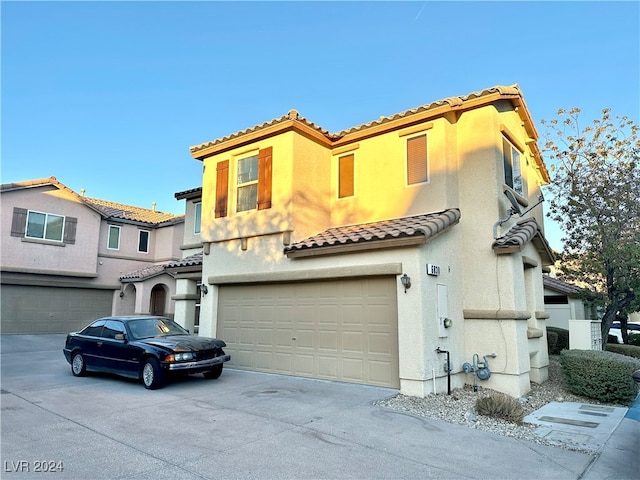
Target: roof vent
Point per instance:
(82, 191)
(153, 206)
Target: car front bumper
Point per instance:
(197, 366)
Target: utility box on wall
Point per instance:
(443, 311)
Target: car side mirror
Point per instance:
(120, 336)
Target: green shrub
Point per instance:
(563, 339)
(634, 339)
(500, 406)
(603, 376)
(628, 350)
(552, 341)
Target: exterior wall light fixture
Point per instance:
(203, 289)
(406, 282)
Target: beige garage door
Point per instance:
(343, 330)
(36, 309)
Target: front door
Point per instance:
(158, 297)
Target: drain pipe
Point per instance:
(447, 368)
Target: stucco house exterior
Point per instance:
(364, 255)
(68, 259)
(564, 302)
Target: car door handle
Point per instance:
(99, 344)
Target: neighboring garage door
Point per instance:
(343, 330)
(36, 309)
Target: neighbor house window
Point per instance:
(197, 218)
(143, 241)
(45, 226)
(513, 175)
(247, 183)
(113, 242)
(417, 171)
(345, 176)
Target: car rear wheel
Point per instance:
(78, 367)
(214, 373)
(152, 374)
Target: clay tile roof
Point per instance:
(189, 194)
(519, 235)
(190, 261)
(129, 212)
(144, 273)
(559, 286)
(426, 226)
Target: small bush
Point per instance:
(500, 406)
(634, 339)
(552, 341)
(612, 339)
(563, 339)
(628, 350)
(603, 376)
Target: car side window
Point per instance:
(95, 329)
(111, 327)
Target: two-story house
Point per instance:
(68, 259)
(365, 255)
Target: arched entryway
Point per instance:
(158, 300)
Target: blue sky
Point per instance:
(109, 96)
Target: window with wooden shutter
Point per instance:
(345, 176)
(264, 178)
(417, 171)
(222, 188)
(19, 222)
(70, 225)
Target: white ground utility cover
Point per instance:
(579, 424)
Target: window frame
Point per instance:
(408, 168)
(119, 230)
(197, 218)
(44, 226)
(253, 182)
(140, 232)
(513, 170)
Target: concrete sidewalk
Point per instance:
(245, 425)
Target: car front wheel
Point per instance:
(152, 374)
(78, 367)
(214, 373)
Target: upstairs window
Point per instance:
(197, 218)
(417, 166)
(113, 240)
(143, 241)
(45, 226)
(247, 181)
(513, 175)
(346, 176)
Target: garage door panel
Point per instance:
(343, 330)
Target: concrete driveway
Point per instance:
(243, 425)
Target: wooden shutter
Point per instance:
(417, 160)
(19, 222)
(264, 178)
(345, 176)
(70, 224)
(222, 188)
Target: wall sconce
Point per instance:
(121, 294)
(203, 289)
(406, 282)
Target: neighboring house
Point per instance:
(364, 255)
(68, 259)
(564, 301)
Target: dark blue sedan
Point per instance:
(148, 348)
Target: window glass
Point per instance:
(197, 218)
(113, 243)
(512, 167)
(46, 226)
(94, 329)
(417, 171)
(247, 181)
(111, 327)
(143, 241)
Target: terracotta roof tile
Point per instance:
(519, 235)
(144, 273)
(129, 212)
(427, 225)
(559, 286)
(190, 261)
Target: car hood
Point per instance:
(183, 343)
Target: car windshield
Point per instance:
(155, 327)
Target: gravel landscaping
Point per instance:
(459, 407)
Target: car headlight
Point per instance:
(180, 357)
